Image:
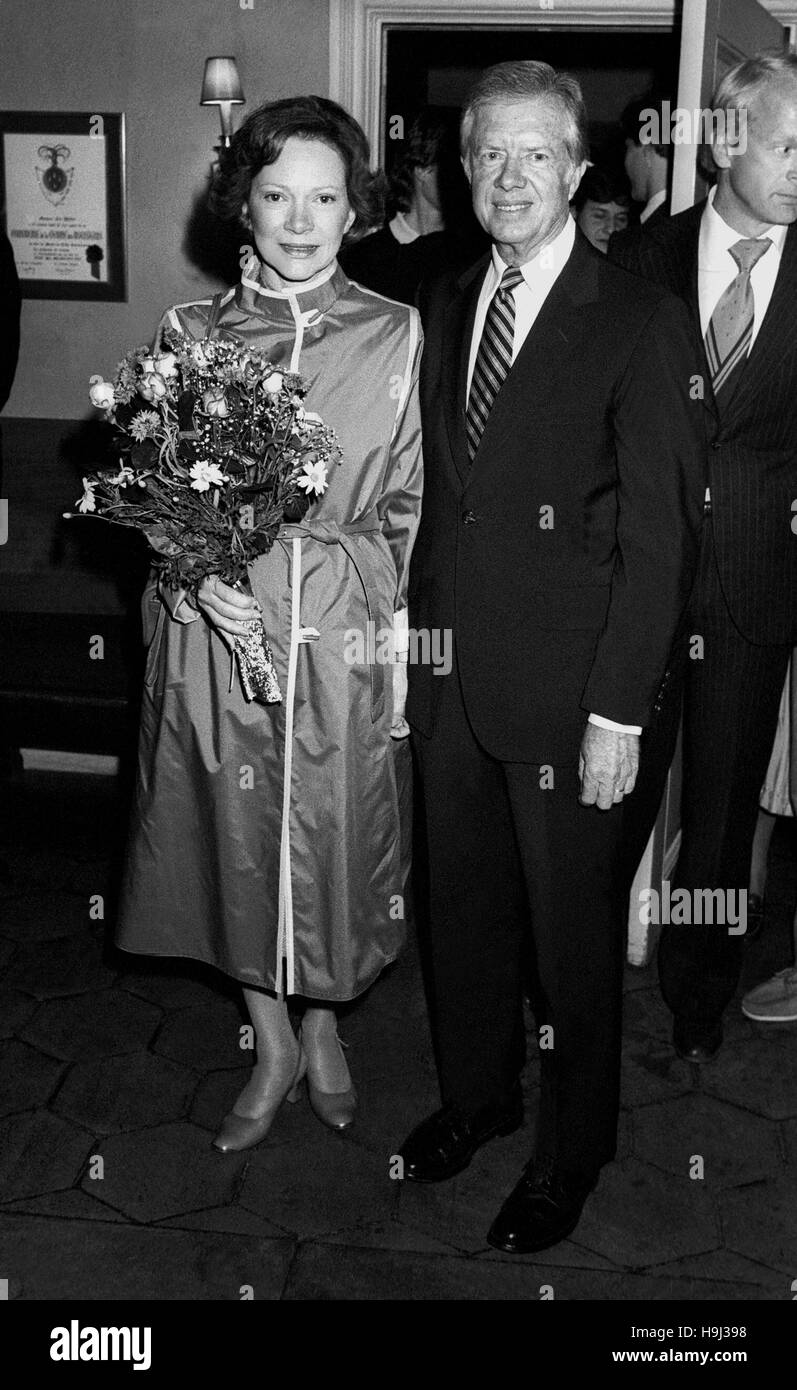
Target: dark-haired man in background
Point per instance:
(648, 164)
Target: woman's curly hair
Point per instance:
(260, 141)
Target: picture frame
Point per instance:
(62, 202)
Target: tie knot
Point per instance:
(748, 252)
(511, 277)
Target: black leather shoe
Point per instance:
(696, 1042)
(444, 1145)
(542, 1210)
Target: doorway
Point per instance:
(434, 67)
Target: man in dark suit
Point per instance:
(563, 497)
(733, 261)
(647, 163)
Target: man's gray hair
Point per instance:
(523, 81)
(749, 77)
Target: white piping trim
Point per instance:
(190, 304)
(285, 916)
(302, 322)
(171, 314)
(301, 287)
(394, 303)
(415, 320)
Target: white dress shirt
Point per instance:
(402, 230)
(651, 205)
(716, 267)
(539, 276)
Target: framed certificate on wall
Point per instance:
(62, 199)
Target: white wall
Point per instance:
(145, 58)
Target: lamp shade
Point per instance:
(221, 83)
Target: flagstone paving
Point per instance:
(115, 1072)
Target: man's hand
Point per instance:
(607, 765)
(399, 727)
(230, 611)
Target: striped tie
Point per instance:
(730, 330)
(493, 359)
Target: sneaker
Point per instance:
(774, 1001)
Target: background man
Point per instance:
(733, 260)
(648, 164)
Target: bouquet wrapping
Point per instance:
(216, 451)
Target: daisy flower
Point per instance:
(206, 475)
(87, 502)
(144, 425)
(315, 478)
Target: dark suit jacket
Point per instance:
(594, 422)
(752, 456)
(622, 243)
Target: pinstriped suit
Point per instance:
(745, 609)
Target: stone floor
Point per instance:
(114, 1076)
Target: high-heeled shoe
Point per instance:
(336, 1109)
(244, 1131)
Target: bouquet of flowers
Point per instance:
(216, 452)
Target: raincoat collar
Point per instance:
(315, 297)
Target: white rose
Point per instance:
(153, 387)
(147, 364)
(101, 395)
(310, 418)
(215, 402)
(166, 364)
(273, 383)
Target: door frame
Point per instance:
(358, 29)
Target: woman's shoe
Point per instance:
(336, 1109)
(244, 1131)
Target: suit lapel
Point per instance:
(545, 356)
(683, 260)
(776, 335)
(458, 330)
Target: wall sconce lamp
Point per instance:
(221, 86)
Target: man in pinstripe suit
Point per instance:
(733, 259)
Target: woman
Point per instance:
(601, 206)
(265, 836)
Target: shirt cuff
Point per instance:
(610, 724)
(401, 635)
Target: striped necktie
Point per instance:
(730, 330)
(494, 357)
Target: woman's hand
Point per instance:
(399, 727)
(230, 611)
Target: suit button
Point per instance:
(469, 518)
(716, 444)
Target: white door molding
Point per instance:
(357, 32)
